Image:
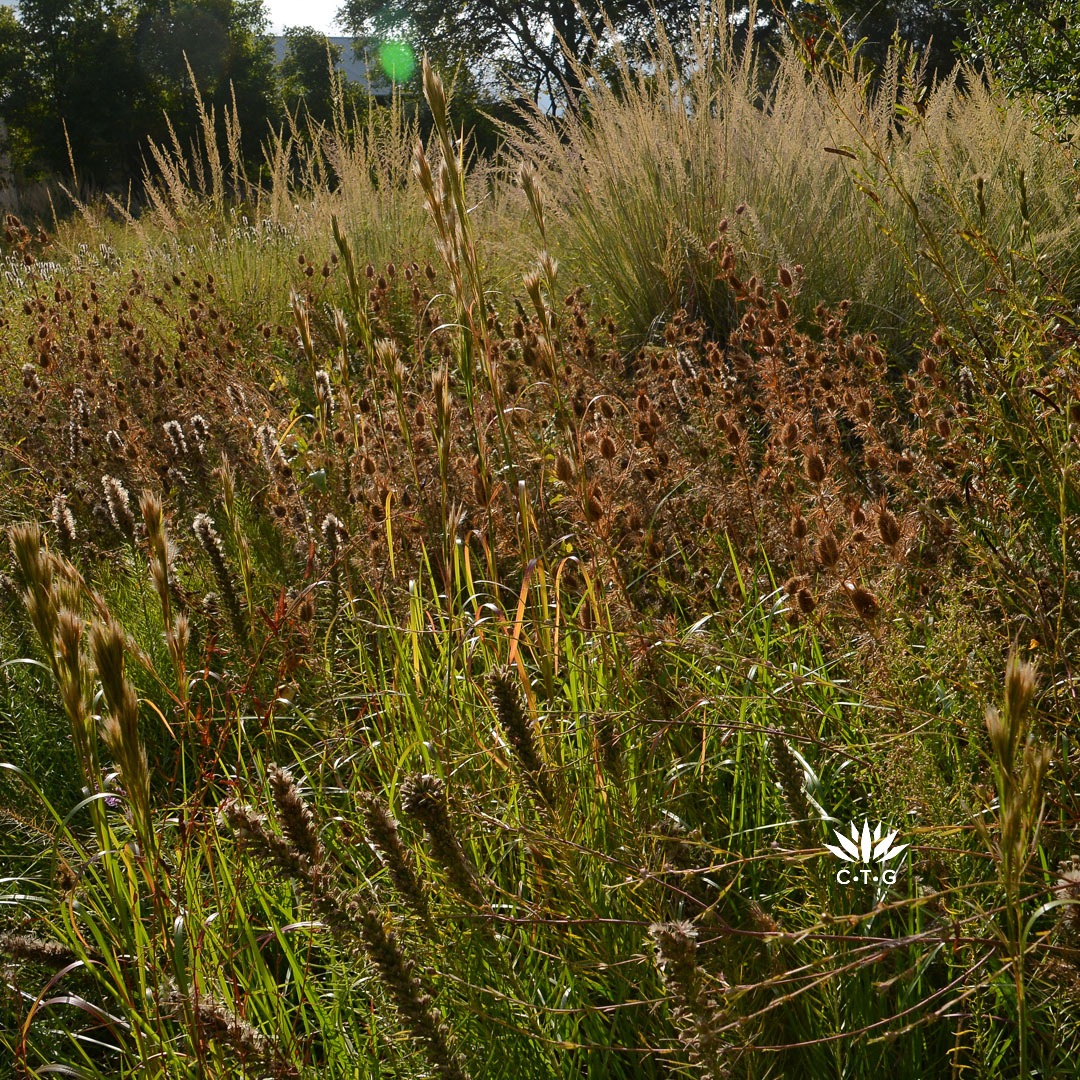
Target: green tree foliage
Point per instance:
(307, 85)
(930, 30)
(1035, 48)
(228, 49)
(76, 82)
(88, 81)
(517, 41)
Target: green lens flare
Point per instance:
(397, 60)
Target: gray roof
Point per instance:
(351, 65)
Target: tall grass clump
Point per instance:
(660, 152)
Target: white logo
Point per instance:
(865, 850)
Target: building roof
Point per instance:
(354, 67)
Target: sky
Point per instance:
(318, 14)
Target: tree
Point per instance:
(306, 81)
(516, 42)
(88, 81)
(1038, 53)
(926, 27)
(76, 92)
(223, 44)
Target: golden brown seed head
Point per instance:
(828, 549)
(888, 527)
(862, 600)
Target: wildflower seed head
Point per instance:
(237, 397)
(208, 537)
(888, 527)
(676, 953)
(200, 432)
(119, 503)
(423, 797)
(517, 729)
(63, 521)
(294, 815)
(1019, 687)
(175, 434)
(790, 778)
(814, 467)
(864, 602)
(828, 550)
(273, 458)
(36, 950)
(382, 831)
(334, 534)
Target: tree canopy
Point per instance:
(519, 43)
(1038, 53)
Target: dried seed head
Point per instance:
(119, 504)
(564, 470)
(517, 729)
(676, 951)
(1019, 687)
(210, 542)
(790, 778)
(334, 534)
(862, 600)
(423, 797)
(382, 831)
(814, 467)
(176, 438)
(273, 458)
(36, 950)
(888, 527)
(789, 434)
(828, 549)
(200, 431)
(294, 815)
(237, 397)
(63, 521)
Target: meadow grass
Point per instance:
(452, 604)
